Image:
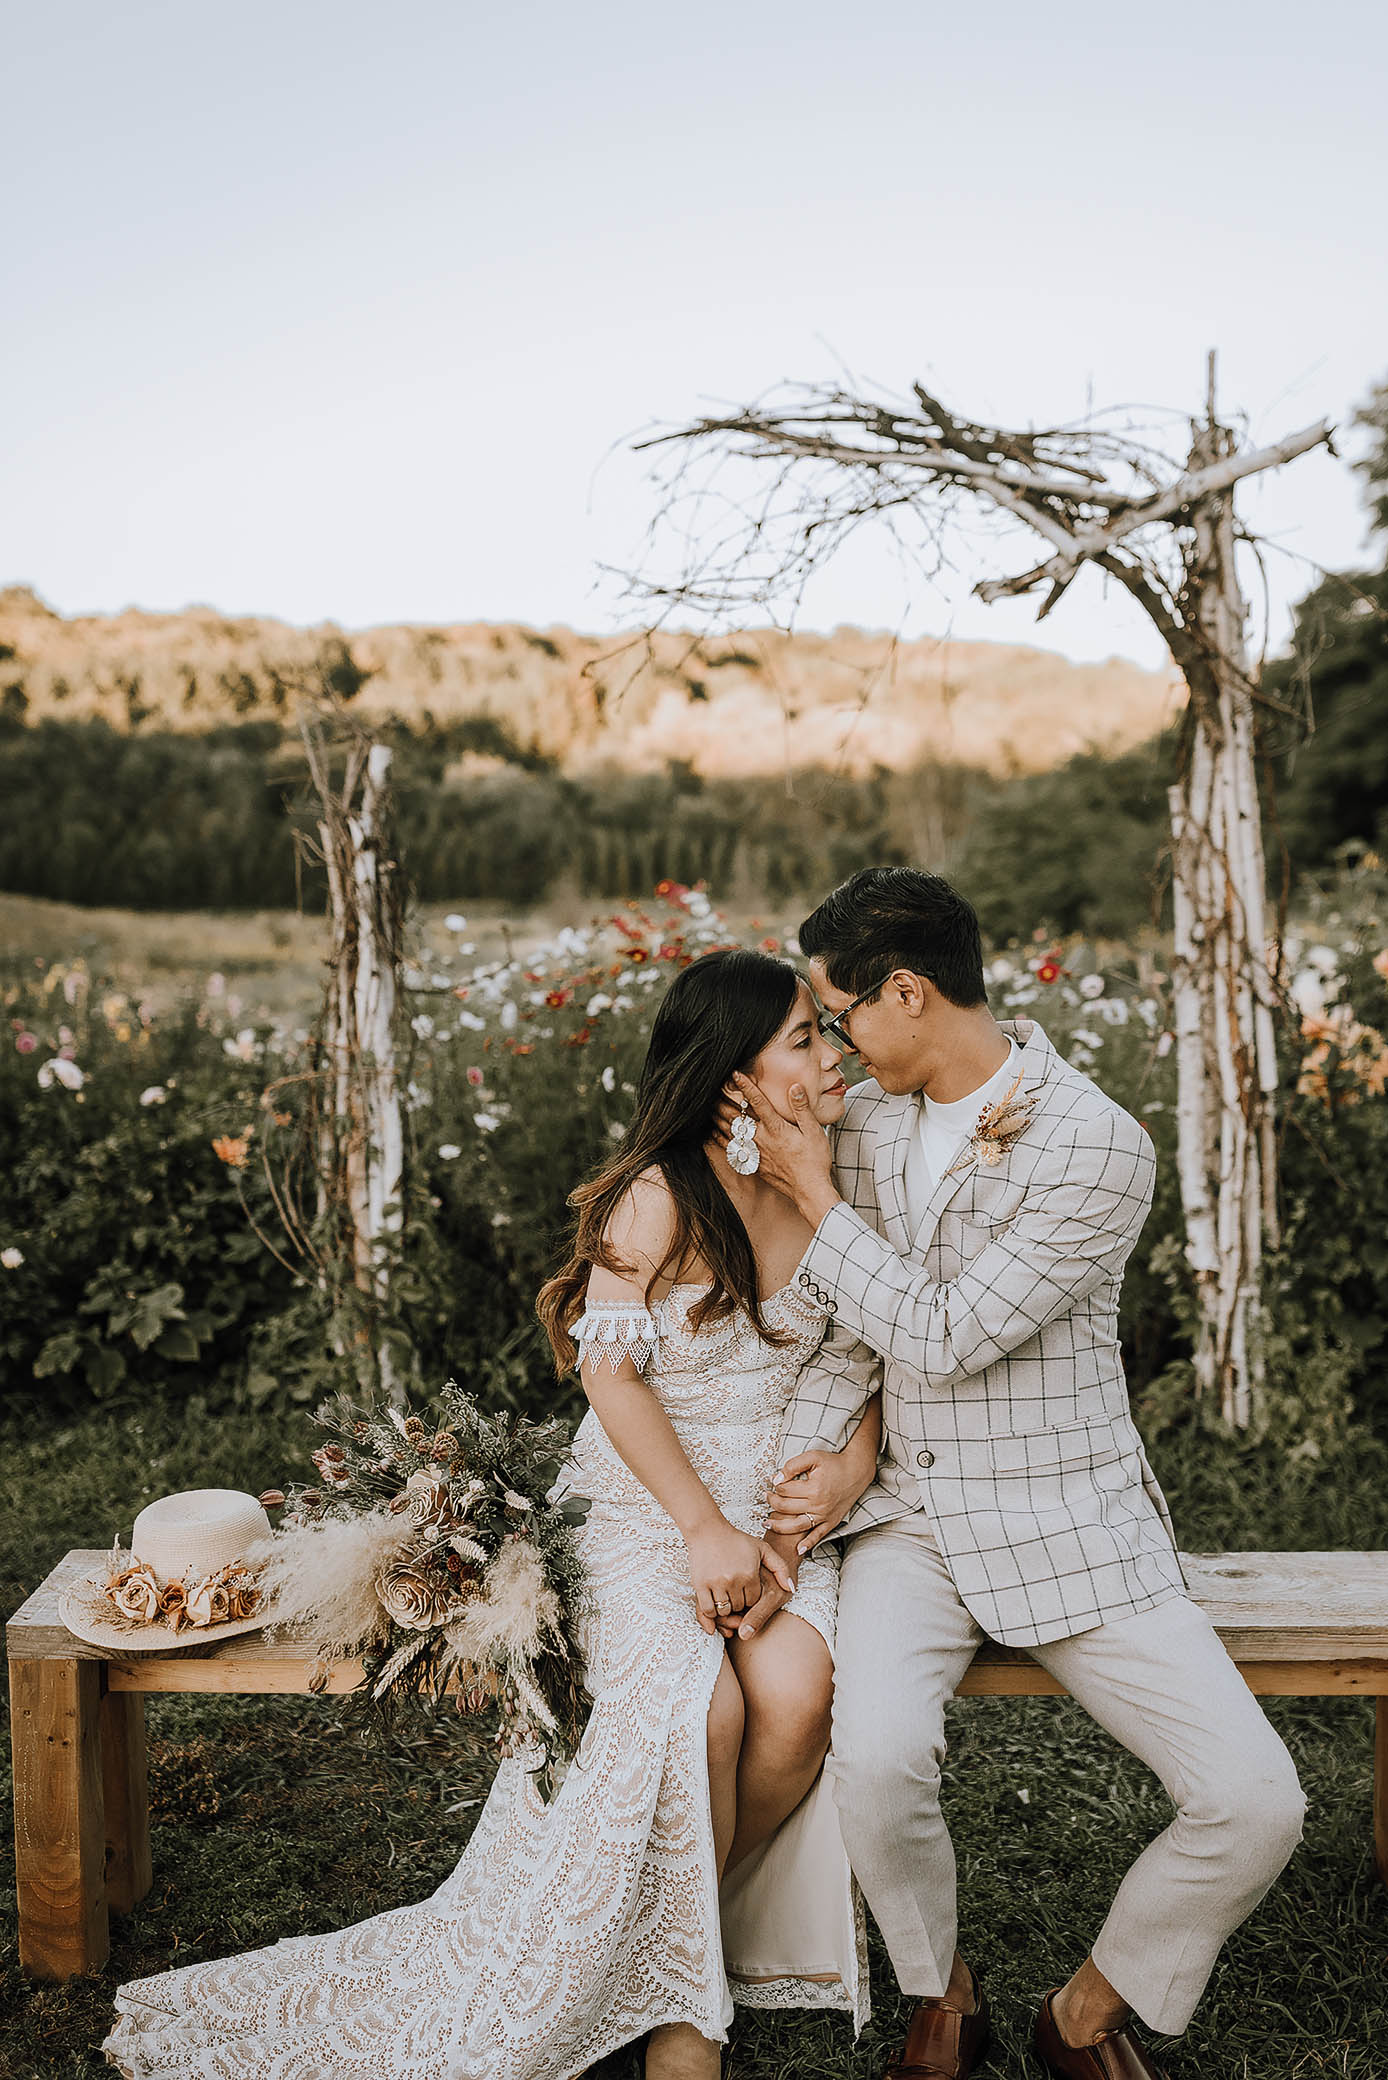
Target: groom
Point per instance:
(969, 1245)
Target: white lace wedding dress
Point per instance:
(568, 1930)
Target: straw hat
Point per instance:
(189, 1561)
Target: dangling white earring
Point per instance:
(743, 1154)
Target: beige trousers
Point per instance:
(1160, 1682)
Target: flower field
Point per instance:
(148, 1157)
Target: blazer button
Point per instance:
(925, 1458)
(804, 1278)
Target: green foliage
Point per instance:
(1078, 849)
(140, 1272)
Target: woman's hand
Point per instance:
(780, 1567)
(814, 1493)
(725, 1566)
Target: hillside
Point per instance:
(749, 703)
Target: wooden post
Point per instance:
(60, 1828)
(125, 1783)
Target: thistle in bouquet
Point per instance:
(427, 1546)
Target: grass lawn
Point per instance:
(272, 1817)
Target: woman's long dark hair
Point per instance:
(717, 1016)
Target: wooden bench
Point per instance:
(1297, 1624)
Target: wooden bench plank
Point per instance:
(1320, 1610)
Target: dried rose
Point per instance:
(399, 1502)
(410, 1599)
(426, 1491)
(173, 1605)
(243, 1592)
(208, 1602)
(135, 1593)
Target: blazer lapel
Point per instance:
(1034, 1063)
(889, 1173)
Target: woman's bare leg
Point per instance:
(787, 1679)
(678, 2051)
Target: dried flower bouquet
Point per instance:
(430, 1549)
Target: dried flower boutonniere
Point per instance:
(997, 1128)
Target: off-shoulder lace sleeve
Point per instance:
(610, 1330)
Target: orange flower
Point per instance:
(558, 998)
(1381, 964)
(580, 1038)
(637, 954)
(233, 1149)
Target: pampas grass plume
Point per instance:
(321, 1577)
(516, 1609)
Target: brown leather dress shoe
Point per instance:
(943, 2043)
(1115, 2055)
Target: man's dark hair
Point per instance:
(886, 918)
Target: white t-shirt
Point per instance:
(942, 1132)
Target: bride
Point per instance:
(691, 1855)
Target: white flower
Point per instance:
(469, 1022)
(455, 922)
(501, 1220)
(1112, 1010)
(1091, 985)
(243, 1048)
(448, 1150)
(1087, 1039)
(615, 1130)
(1322, 958)
(1165, 1043)
(442, 981)
(485, 1122)
(215, 985)
(155, 1094)
(697, 904)
(622, 1002)
(59, 1070)
(609, 1078)
(422, 1025)
(11, 1258)
(1001, 970)
(509, 1015)
(597, 1004)
(535, 996)
(1308, 993)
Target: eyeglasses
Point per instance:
(831, 1023)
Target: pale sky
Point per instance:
(327, 310)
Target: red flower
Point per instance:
(637, 954)
(770, 945)
(580, 1038)
(1049, 971)
(558, 998)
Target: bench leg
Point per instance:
(60, 1828)
(1381, 1789)
(125, 1781)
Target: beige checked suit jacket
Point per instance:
(993, 1333)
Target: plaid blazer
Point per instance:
(993, 1333)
